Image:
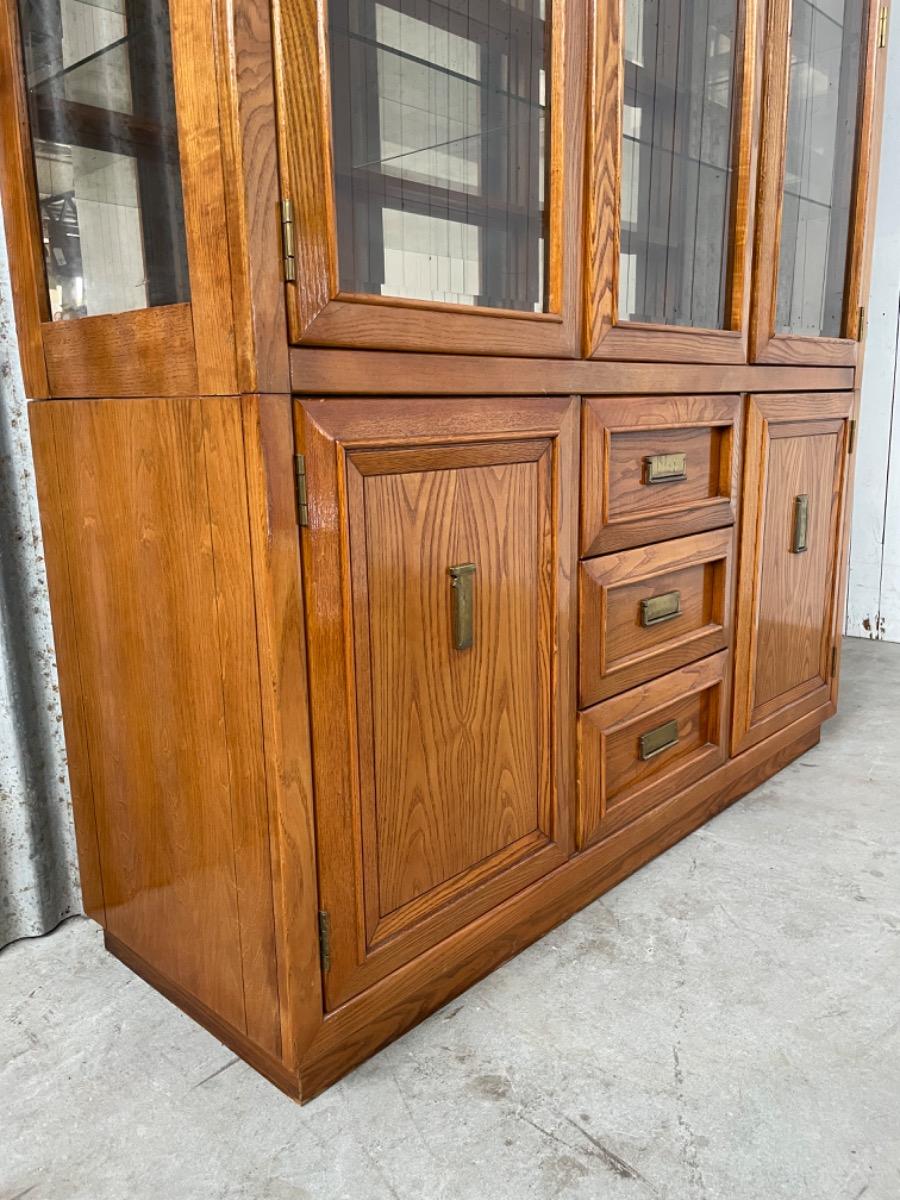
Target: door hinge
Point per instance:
(861, 323)
(882, 28)
(325, 939)
(288, 259)
(300, 481)
(851, 436)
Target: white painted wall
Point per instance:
(873, 599)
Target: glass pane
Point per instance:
(100, 96)
(818, 172)
(439, 129)
(677, 122)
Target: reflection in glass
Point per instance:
(439, 131)
(677, 121)
(818, 175)
(101, 102)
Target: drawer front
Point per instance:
(646, 611)
(656, 468)
(644, 746)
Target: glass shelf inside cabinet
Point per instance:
(101, 103)
(678, 118)
(440, 128)
(823, 100)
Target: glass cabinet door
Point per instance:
(669, 180)
(812, 206)
(98, 81)
(114, 197)
(449, 166)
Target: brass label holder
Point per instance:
(658, 740)
(801, 525)
(657, 609)
(664, 468)
(462, 578)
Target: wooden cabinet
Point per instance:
(443, 429)
(791, 553)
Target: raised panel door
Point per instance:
(790, 560)
(450, 647)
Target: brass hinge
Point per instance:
(861, 323)
(289, 260)
(882, 28)
(300, 480)
(851, 437)
(325, 939)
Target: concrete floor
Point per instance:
(725, 1025)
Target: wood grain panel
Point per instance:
(56, 551)
(147, 352)
(615, 784)
(253, 190)
(456, 733)
(619, 507)
(364, 373)
(446, 789)
(617, 651)
(154, 520)
(787, 602)
(275, 551)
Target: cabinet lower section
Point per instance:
(337, 751)
(375, 1018)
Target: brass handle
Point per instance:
(801, 524)
(664, 468)
(657, 609)
(659, 739)
(461, 581)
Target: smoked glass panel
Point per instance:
(439, 121)
(818, 175)
(677, 132)
(99, 82)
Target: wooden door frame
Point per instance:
(319, 313)
(226, 137)
(763, 411)
(604, 336)
(327, 433)
(767, 346)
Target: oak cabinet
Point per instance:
(787, 628)
(443, 431)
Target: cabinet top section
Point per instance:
(484, 196)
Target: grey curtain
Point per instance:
(38, 870)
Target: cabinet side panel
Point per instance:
(150, 514)
(56, 557)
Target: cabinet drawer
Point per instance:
(655, 468)
(643, 746)
(646, 611)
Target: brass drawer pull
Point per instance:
(665, 468)
(801, 524)
(659, 739)
(657, 609)
(461, 583)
